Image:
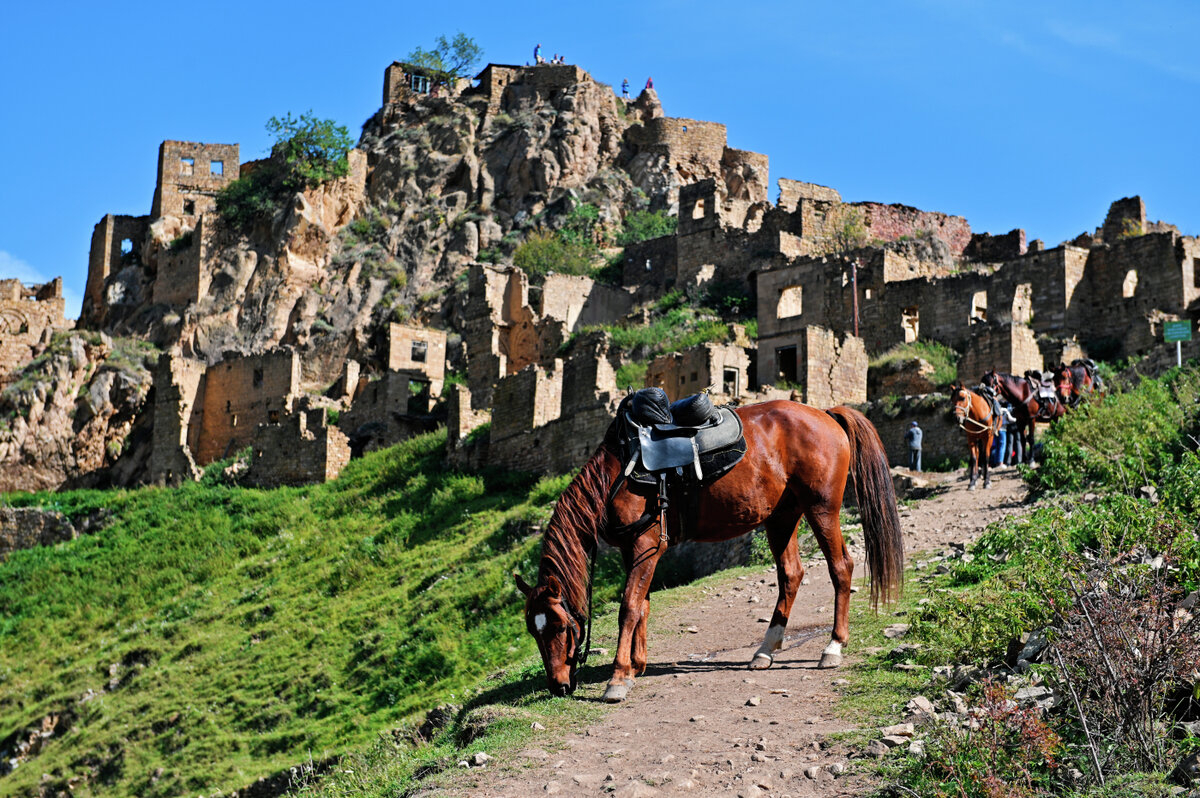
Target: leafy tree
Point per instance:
(448, 60)
(312, 150)
(644, 225)
(307, 152)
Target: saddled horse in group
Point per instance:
(798, 462)
(978, 420)
(1030, 405)
(1078, 380)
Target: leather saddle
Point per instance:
(1044, 390)
(681, 448)
(686, 436)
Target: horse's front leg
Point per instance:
(644, 555)
(789, 572)
(972, 462)
(987, 462)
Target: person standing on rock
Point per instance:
(537, 54)
(913, 439)
(649, 84)
(625, 89)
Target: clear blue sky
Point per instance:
(1013, 114)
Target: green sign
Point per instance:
(1177, 331)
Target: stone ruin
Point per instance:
(29, 315)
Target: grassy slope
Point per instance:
(272, 624)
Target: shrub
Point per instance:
(730, 298)
(307, 152)
(543, 253)
(631, 375)
(645, 225)
(943, 359)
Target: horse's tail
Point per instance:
(872, 481)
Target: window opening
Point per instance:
(418, 397)
(189, 207)
(695, 376)
(419, 83)
(187, 166)
(258, 378)
(790, 302)
(126, 246)
(729, 382)
(216, 168)
(785, 364)
(978, 307)
(911, 322)
(1195, 272)
(419, 350)
(698, 209)
(273, 416)
(1129, 287)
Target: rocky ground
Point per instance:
(699, 722)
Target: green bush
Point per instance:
(307, 152)
(645, 225)
(631, 375)
(543, 253)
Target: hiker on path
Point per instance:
(913, 439)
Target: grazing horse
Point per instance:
(798, 463)
(980, 423)
(1027, 406)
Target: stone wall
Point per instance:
(300, 450)
(116, 243)
(178, 408)
(1003, 346)
(827, 372)
(891, 222)
(723, 369)
(241, 392)
(530, 398)
(27, 316)
(26, 527)
(189, 176)
(992, 249)
(792, 191)
(932, 412)
(182, 278)
(420, 351)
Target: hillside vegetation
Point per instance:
(1105, 570)
(213, 635)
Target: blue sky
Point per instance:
(1013, 114)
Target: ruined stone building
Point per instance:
(204, 413)
(28, 316)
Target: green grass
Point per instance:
(943, 359)
(254, 628)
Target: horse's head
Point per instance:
(558, 630)
(960, 399)
(989, 379)
(1064, 383)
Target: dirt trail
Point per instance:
(687, 727)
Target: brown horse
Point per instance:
(979, 423)
(1027, 406)
(1083, 379)
(797, 465)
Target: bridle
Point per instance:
(963, 414)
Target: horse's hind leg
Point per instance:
(638, 655)
(826, 523)
(781, 536)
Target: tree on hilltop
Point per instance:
(448, 60)
(307, 152)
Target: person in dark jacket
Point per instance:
(913, 439)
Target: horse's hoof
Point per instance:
(971, 486)
(616, 693)
(830, 660)
(761, 661)
(987, 484)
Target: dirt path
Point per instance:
(692, 725)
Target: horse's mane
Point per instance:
(579, 517)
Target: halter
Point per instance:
(964, 416)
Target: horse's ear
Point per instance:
(554, 586)
(522, 585)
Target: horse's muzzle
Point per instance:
(558, 689)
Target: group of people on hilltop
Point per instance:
(1007, 447)
(539, 59)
